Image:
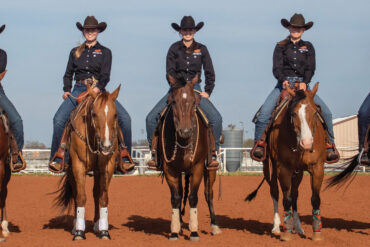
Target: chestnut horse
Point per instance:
(183, 147)
(93, 147)
(296, 143)
(5, 172)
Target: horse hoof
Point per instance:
(216, 230)
(194, 237)
(6, 233)
(317, 236)
(79, 235)
(174, 237)
(104, 235)
(286, 236)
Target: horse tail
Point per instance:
(345, 175)
(252, 195)
(65, 196)
(186, 193)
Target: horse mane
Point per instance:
(299, 96)
(180, 83)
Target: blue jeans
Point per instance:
(62, 116)
(15, 120)
(363, 120)
(213, 115)
(267, 108)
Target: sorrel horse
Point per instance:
(5, 171)
(296, 143)
(93, 147)
(183, 147)
(351, 164)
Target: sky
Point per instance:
(240, 36)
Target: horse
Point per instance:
(185, 135)
(351, 164)
(93, 146)
(296, 143)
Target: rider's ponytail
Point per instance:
(284, 42)
(79, 50)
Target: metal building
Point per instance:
(346, 135)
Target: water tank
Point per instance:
(233, 139)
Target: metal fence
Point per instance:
(37, 161)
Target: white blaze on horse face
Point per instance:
(306, 134)
(106, 141)
(184, 95)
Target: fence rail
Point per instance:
(37, 161)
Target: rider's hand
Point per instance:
(96, 90)
(65, 95)
(302, 86)
(285, 84)
(204, 95)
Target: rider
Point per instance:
(186, 58)
(87, 63)
(293, 60)
(363, 125)
(16, 123)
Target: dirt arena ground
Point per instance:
(139, 214)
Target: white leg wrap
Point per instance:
(276, 227)
(4, 226)
(80, 220)
(297, 223)
(175, 220)
(103, 221)
(193, 223)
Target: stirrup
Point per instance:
(213, 165)
(332, 146)
(125, 166)
(152, 163)
(261, 144)
(17, 156)
(59, 154)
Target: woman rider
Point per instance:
(88, 62)
(15, 120)
(186, 58)
(293, 60)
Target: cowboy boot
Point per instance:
(152, 163)
(258, 152)
(56, 164)
(125, 163)
(17, 163)
(213, 163)
(332, 154)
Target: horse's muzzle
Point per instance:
(306, 143)
(185, 133)
(106, 149)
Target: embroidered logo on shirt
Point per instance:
(97, 52)
(303, 49)
(197, 52)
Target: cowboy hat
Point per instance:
(297, 20)
(91, 22)
(2, 28)
(187, 22)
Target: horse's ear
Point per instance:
(314, 90)
(115, 93)
(290, 91)
(195, 79)
(2, 74)
(171, 79)
(91, 92)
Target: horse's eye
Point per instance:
(93, 114)
(115, 115)
(294, 114)
(174, 102)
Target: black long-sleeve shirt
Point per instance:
(190, 64)
(94, 61)
(3, 60)
(295, 60)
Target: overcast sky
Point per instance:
(239, 34)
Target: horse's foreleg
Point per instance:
(106, 173)
(317, 177)
(296, 181)
(4, 179)
(196, 179)
(173, 181)
(96, 194)
(209, 180)
(274, 192)
(79, 173)
(285, 179)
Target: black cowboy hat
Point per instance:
(2, 28)
(187, 22)
(91, 22)
(297, 20)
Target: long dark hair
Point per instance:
(80, 49)
(284, 42)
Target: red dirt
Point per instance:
(139, 214)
